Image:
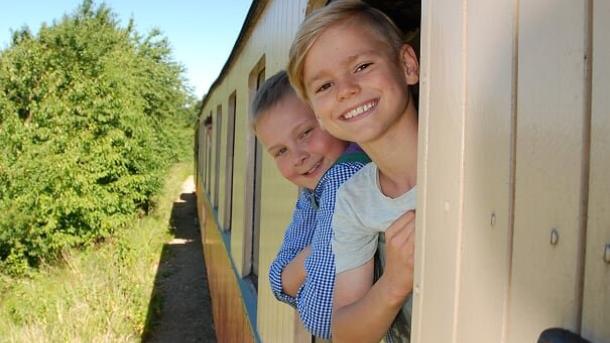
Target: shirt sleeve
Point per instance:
(315, 298)
(298, 235)
(353, 245)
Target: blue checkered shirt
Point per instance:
(311, 225)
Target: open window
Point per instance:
(217, 151)
(228, 205)
(253, 186)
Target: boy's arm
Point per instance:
(296, 239)
(363, 311)
(315, 298)
(294, 273)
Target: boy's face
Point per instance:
(356, 85)
(291, 134)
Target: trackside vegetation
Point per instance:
(92, 114)
(101, 294)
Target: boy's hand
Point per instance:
(400, 247)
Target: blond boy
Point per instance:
(349, 63)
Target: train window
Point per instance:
(228, 205)
(217, 152)
(253, 187)
(208, 159)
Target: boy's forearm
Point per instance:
(294, 274)
(368, 319)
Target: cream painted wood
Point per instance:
(487, 177)
(464, 171)
(440, 172)
(549, 154)
(596, 302)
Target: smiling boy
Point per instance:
(303, 273)
(349, 63)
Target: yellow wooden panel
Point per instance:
(485, 242)
(549, 167)
(278, 197)
(440, 172)
(596, 302)
(231, 323)
(277, 322)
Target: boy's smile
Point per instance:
(302, 151)
(356, 83)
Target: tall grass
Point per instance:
(98, 295)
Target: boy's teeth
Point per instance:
(358, 110)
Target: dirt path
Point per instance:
(185, 313)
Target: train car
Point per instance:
(513, 209)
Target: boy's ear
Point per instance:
(408, 60)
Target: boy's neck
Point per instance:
(395, 154)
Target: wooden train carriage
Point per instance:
(513, 228)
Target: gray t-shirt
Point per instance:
(363, 214)
(362, 211)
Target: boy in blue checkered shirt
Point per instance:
(303, 273)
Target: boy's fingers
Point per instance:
(400, 223)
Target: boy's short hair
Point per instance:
(325, 17)
(271, 92)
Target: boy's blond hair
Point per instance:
(325, 17)
(271, 92)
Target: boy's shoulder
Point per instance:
(363, 180)
(337, 175)
(344, 168)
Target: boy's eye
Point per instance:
(280, 152)
(362, 66)
(306, 133)
(323, 87)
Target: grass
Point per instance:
(98, 295)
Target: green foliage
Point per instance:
(91, 115)
(101, 294)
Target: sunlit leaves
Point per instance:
(88, 118)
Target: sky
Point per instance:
(201, 32)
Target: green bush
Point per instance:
(91, 115)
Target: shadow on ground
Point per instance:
(179, 309)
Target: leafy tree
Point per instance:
(91, 115)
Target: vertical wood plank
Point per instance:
(440, 172)
(549, 155)
(596, 302)
(487, 194)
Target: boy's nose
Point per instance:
(300, 156)
(347, 88)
